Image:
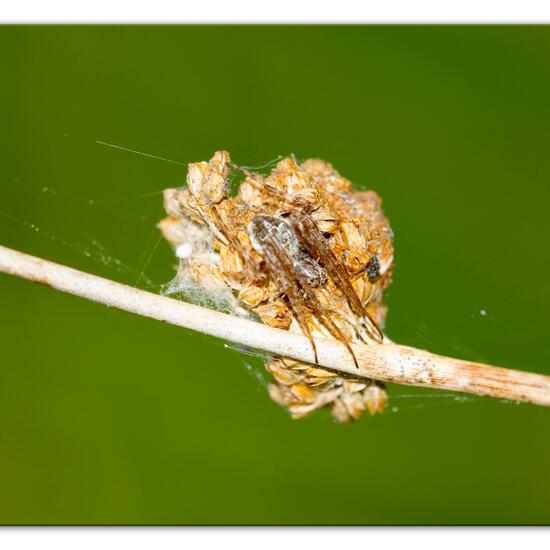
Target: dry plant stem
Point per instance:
(384, 362)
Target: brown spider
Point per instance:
(287, 264)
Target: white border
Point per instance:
(275, 11)
(279, 11)
(377, 538)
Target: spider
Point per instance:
(294, 250)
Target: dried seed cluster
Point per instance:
(300, 251)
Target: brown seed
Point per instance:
(171, 202)
(354, 404)
(340, 412)
(319, 371)
(208, 182)
(231, 263)
(302, 393)
(284, 376)
(375, 399)
(351, 386)
(274, 314)
(253, 295)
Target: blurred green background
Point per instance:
(106, 417)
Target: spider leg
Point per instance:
(327, 320)
(295, 202)
(285, 261)
(233, 240)
(283, 272)
(312, 237)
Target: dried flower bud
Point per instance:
(253, 295)
(284, 376)
(302, 393)
(375, 398)
(274, 314)
(171, 203)
(208, 181)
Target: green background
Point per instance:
(106, 417)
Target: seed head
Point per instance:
(298, 250)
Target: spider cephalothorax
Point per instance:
(264, 230)
(300, 251)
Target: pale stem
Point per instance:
(385, 362)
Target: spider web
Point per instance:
(145, 272)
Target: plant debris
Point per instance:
(298, 250)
